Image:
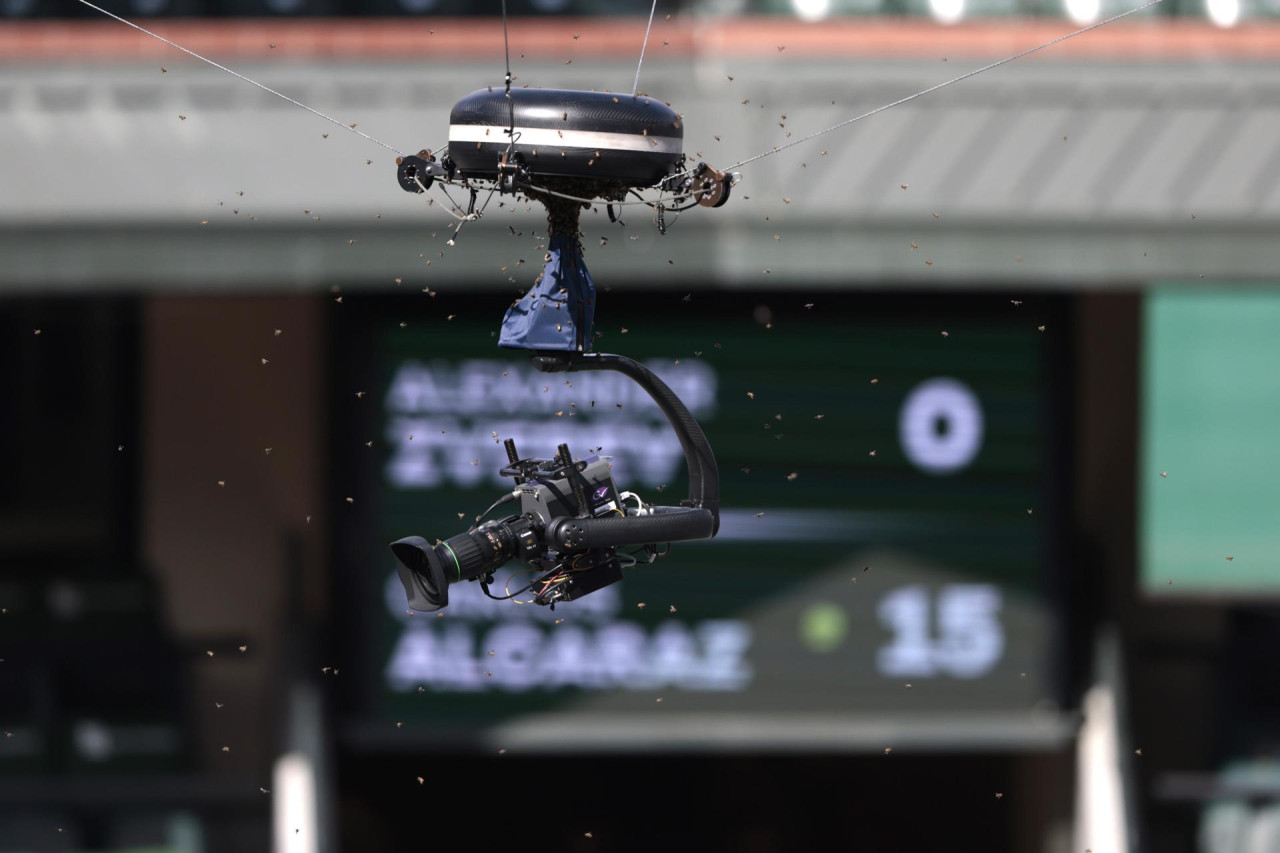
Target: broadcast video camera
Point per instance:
(573, 519)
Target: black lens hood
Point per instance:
(422, 573)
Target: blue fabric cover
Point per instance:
(558, 312)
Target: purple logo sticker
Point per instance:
(601, 492)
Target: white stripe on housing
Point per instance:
(567, 138)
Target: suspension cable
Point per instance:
(236, 74)
(636, 87)
(931, 89)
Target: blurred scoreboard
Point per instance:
(888, 528)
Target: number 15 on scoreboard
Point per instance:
(954, 632)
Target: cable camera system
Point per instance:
(567, 150)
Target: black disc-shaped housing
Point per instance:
(414, 174)
(630, 140)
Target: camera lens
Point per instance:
(427, 570)
(469, 555)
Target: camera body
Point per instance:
(572, 518)
(550, 495)
(550, 492)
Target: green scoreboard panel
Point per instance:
(881, 576)
(1209, 523)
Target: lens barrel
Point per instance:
(426, 570)
(475, 552)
